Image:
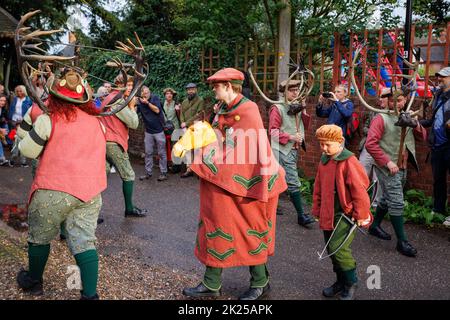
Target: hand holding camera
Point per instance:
(328, 96)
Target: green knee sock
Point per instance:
(350, 276)
(37, 259)
(127, 188)
(260, 276)
(88, 263)
(397, 223)
(379, 216)
(213, 278)
(296, 199)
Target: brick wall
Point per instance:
(308, 161)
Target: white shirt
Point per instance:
(17, 116)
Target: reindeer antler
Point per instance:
(249, 69)
(304, 90)
(22, 36)
(140, 69)
(411, 86)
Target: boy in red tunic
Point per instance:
(240, 181)
(340, 188)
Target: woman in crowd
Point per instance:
(171, 109)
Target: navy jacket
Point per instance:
(338, 113)
(153, 121)
(443, 98)
(26, 104)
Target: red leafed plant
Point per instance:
(15, 216)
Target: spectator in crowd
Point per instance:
(108, 86)
(383, 144)
(246, 90)
(19, 106)
(192, 109)
(101, 94)
(17, 110)
(5, 92)
(3, 112)
(3, 129)
(364, 157)
(336, 107)
(149, 106)
(439, 141)
(171, 112)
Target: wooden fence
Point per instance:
(331, 58)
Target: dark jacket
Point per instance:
(338, 113)
(441, 98)
(153, 121)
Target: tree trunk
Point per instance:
(284, 41)
(7, 74)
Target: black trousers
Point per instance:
(440, 163)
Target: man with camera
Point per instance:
(287, 131)
(149, 106)
(336, 107)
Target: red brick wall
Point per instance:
(308, 161)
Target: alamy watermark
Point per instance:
(374, 279)
(74, 278)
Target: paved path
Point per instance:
(166, 238)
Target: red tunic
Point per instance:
(238, 199)
(348, 177)
(73, 160)
(116, 130)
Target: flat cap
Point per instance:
(227, 75)
(445, 72)
(191, 85)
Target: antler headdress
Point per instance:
(410, 87)
(306, 84)
(26, 42)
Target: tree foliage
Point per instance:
(53, 12)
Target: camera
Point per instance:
(327, 95)
(295, 108)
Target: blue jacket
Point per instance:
(441, 113)
(338, 113)
(26, 104)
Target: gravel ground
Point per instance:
(121, 275)
(152, 257)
